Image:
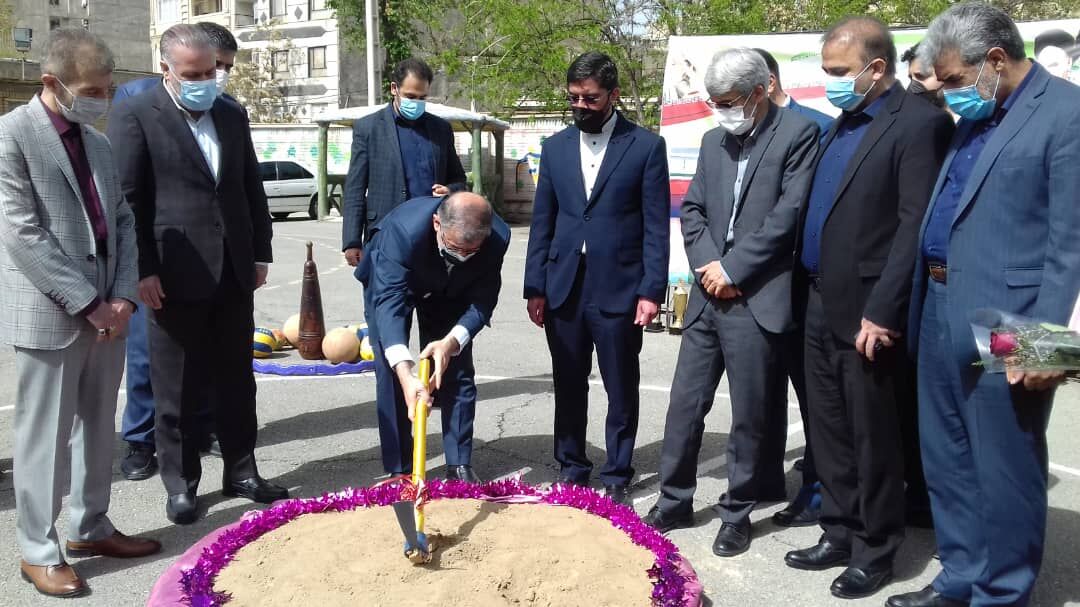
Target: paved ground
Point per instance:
(320, 435)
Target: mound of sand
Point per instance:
(485, 554)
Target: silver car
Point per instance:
(290, 188)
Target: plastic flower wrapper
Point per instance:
(1009, 341)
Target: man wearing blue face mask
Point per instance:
(441, 257)
(399, 153)
(856, 247)
(189, 170)
(1001, 232)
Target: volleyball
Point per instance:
(263, 343)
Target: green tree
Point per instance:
(7, 22)
(254, 81)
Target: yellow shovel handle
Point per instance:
(423, 372)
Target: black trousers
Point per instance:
(726, 338)
(855, 429)
(200, 348)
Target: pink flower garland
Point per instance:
(670, 582)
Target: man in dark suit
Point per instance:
(189, 170)
(804, 510)
(597, 265)
(399, 153)
(738, 222)
(137, 426)
(1001, 233)
(442, 257)
(857, 246)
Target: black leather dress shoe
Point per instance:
(256, 489)
(823, 555)
(665, 521)
(620, 494)
(803, 511)
(927, 597)
(140, 463)
(462, 473)
(856, 583)
(566, 479)
(733, 539)
(182, 508)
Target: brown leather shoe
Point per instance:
(54, 580)
(117, 545)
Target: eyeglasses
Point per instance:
(727, 105)
(586, 99)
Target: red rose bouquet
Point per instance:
(1007, 341)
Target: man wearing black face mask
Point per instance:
(441, 257)
(597, 264)
(923, 82)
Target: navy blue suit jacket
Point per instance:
(625, 225)
(821, 119)
(1015, 238)
(402, 267)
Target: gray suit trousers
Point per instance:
(66, 394)
(727, 338)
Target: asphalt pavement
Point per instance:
(320, 434)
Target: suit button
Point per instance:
(90, 257)
(586, 218)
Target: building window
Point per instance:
(168, 10)
(54, 23)
(54, 2)
(316, 5)
(316, 61)
(204, 7)
(277, 8)
(281, 62)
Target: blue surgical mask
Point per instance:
(841, 90)
(968, 102)
(196, 95)
(411, 109)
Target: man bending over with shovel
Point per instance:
(443, 258)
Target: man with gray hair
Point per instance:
(738, 223)
(1000, 233)
(189, 171)
(67, 290)
(441, 257)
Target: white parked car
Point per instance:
(290, 188)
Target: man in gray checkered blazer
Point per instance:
(67, 287)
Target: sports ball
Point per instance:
(360, 329)
(292, 330)
(263, 343)
(280, 337)
(366, 353)
(341, 346)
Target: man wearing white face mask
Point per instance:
(67, 290)
(738, 222)
(190, 173)
(856, 248)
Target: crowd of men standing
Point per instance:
(843, 255)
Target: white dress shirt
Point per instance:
(205, 133)
(593, 148)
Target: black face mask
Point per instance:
(590, 120)
(935, 97)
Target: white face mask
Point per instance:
(733, 120)
(83, 110)
(222, 80)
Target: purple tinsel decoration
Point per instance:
(669, 580)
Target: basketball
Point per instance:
(341, 346)
(366, 353)
(292, 330)
(263, 343)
